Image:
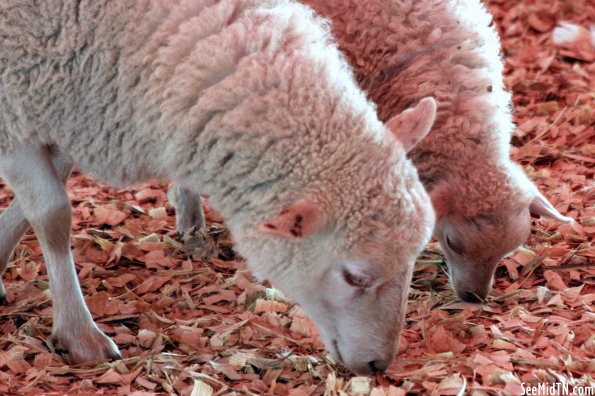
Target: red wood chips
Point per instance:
(189, 317)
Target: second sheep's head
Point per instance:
(476, 237)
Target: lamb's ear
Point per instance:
(413, 124)
(298, 221)
(540, 206)
(440, 200)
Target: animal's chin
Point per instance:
(362, 370)
(336, 352)
(472, 292)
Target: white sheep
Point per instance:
(246, 101)
(404, 50)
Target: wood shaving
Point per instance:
(189, 318)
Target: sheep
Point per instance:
(247, 101)
(404, 50)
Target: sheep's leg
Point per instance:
(13, 224)
(189, 213)
(44, 203)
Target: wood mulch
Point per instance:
(189, 317)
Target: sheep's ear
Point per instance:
(413, 124)
(540, 206)
(298, 221)
(440, 200)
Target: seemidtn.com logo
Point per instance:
(556, 389)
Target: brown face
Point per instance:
(474, 246)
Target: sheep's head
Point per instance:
(474, 246)
(351, 274)
(475, 235)
(347, 258)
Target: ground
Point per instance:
(191, 319)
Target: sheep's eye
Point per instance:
(455, 247)
(354, 280)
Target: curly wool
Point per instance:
(212, 93)
(246, 101)
(404, 50)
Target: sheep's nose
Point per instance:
(379, 365)
(471, 297)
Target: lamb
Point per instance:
(402, 51)
(405, 50)
(247, 101)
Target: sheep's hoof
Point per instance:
(84, 347)
(190, 223)
(200, 244)
(189, 220)
(186, 232)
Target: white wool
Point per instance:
(403, 51)
(246, 101)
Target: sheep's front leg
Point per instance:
(13, 224)
(188, 205)
(44, 203)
